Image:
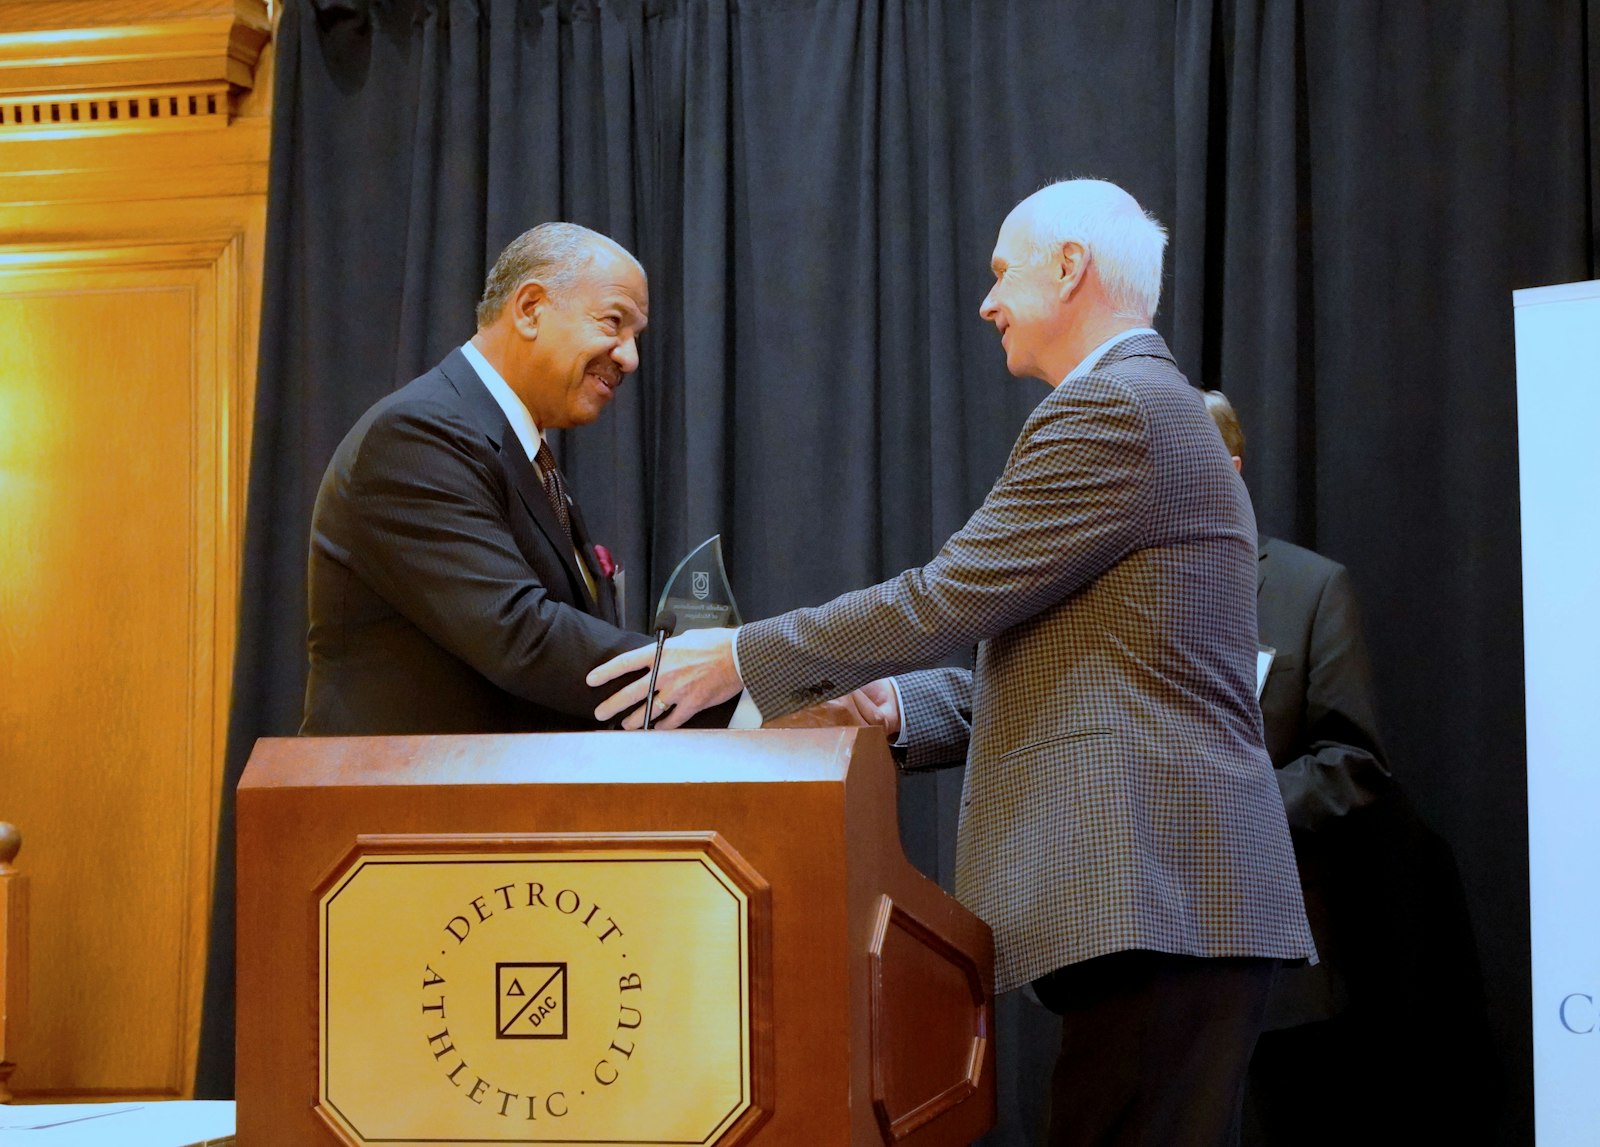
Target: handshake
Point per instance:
(698, 671)
(875, 703)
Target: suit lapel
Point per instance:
(525, 477)
(607, 602)
(488, 416)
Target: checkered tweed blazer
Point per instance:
(1117, 793)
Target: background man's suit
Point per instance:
(1117, 794)
(444, 596)
(1382, 894)
(1321, 730)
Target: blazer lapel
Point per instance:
(607, 603)
(525, 477)
(486, 413)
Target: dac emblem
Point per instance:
(530, 1001)
(700, 585)
(541, 1012)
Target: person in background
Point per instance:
(1380, 891)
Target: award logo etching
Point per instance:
(698, 592)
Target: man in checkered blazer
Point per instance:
(1121, 829)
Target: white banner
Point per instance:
(1558, 432)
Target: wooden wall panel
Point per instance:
(130, 271)
(114, 428)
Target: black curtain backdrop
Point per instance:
(1353, 190)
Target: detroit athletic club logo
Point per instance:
(537, 1014)
(559, 1069)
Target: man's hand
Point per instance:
(696, 673)
(874, 704)
(879, 703)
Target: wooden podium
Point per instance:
(679, 937)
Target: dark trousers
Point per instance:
(1310, 1086)
(1154, 1048)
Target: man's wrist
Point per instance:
(900, 740)
(733, 645)
(746, 714)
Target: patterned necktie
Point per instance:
(555, 487)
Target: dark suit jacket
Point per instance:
(443, 594)
(1321, 722)
(1381, 889)
(1117, 792)
(1322, 733)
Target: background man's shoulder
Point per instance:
(1298, 562)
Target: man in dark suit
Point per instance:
(1311, 1079)
(453, 584)
(1317, 706)
(1120, 828)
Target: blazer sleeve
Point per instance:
(936, 716)
(429, 532)
(1342, 766)
(1074, 498)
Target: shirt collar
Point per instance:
(522, 423)
(1092, 359)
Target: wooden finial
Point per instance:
(13, 953)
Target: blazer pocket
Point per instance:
(1059, 738)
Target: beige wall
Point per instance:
(132, 211)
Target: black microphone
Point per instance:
(666, 622)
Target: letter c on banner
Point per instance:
(1567, 1023)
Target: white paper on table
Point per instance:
(193, 1123)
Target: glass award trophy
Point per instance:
(698, 590)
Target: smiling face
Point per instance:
(581, 339)
(1027, 303)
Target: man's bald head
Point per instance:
(1124, 243)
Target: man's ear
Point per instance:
(1072, 265)
(527, 306)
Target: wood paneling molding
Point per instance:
(133, 171)
(116, 1006)
(109, 66)
(135, 167)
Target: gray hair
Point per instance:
(1123, 240)
(555, 254)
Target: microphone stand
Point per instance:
(666, 622)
